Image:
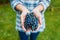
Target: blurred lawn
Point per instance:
(52, 17)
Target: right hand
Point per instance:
(23, 16)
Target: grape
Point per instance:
(31, 21)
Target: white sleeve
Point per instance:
(45, 3)
(14, 3)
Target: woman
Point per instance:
(22, 7)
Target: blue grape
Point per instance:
(31, 21)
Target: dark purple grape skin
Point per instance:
(31, 22)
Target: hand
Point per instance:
(38, 15)
(23, 15)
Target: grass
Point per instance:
(7, 23)
(52, 31)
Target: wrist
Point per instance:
(26, 10)
(21, 8)
(35, 10)
(39, 8)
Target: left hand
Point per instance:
(38, 15)
(23, 16)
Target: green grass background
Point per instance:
(52, 17)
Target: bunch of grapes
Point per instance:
(31, 22)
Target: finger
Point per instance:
(38, 27)
(24, 29)
(23, 15)
(22, 23)
(40, 21)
